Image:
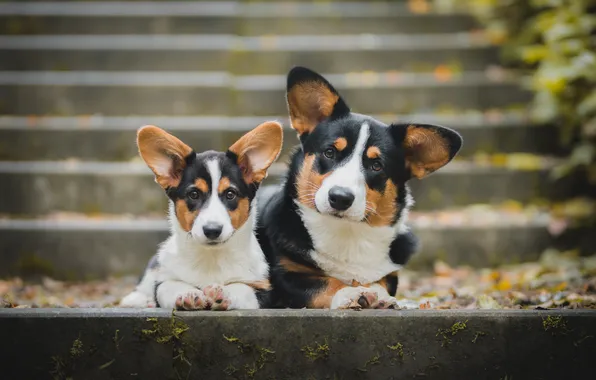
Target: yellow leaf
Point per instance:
(499, 159)
(511, 205)
(443, 73)
(419, 6)
(503, 285)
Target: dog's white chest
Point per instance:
(205, 268)
(348, 250)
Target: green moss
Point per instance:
(373, 361)
(230, 370)
(77, 348)
(555, 325)
(59, 368)
(398, 348)
(477, 335)
(117, 339)
(452, 331)
(317, 351)
(106, 365)
(170, 332)
(261, 356)
(63, 365)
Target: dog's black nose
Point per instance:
(212, 230)
(340, 198)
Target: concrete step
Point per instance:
(156, 344)
(272, 54)
(76, 246)
(191, 93)
(110, 187)
(112, 138)
(247, 18)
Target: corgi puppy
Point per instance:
(212, 259)
(334, 232)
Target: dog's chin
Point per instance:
(210, 243)
(341, 215)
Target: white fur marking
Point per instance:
(350, 175)
(241, 296)
(350, 250)
(215, 211)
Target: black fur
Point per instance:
(280, 229)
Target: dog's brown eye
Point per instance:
(329, 153)
(376, 166)
(193, 194)
(230, 194)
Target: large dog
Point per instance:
(335, 231)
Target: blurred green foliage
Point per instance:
(554, 42)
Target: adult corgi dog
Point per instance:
(335, 231)
(212, 259)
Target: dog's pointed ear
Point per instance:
(257, 150)
(164, 154)
(427, 147)
(311, 99)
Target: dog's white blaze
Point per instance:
(349, 250)
(214, 211)
(350, 175)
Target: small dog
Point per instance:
(334, 232)
(212, 260)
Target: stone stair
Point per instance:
(78, 78)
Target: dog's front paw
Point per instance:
(355, 298)
(137, 299)
(216, 297)
(385, 303)
(192, 300)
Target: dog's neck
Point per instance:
(239, 242)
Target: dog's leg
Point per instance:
(180, 295)
(142, 296)
(374, 296)
(231, 297)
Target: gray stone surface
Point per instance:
(220, 93)
(115, 144)
(275, 60)
(86, 249)
(94, 187)
(298, 344)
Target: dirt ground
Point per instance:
(557, 280)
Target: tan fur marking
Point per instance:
(292, 266)
(340, 144)
(163, 153)
(256, 285)
(309, 103)
(239, 216)
(185, 217)
(383, 204)
(426, 151)
(224, 184)
(202, 185)
(309, 182)
(257, 150)
(322, 300)
(373, 152)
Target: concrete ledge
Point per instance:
(291, 344)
